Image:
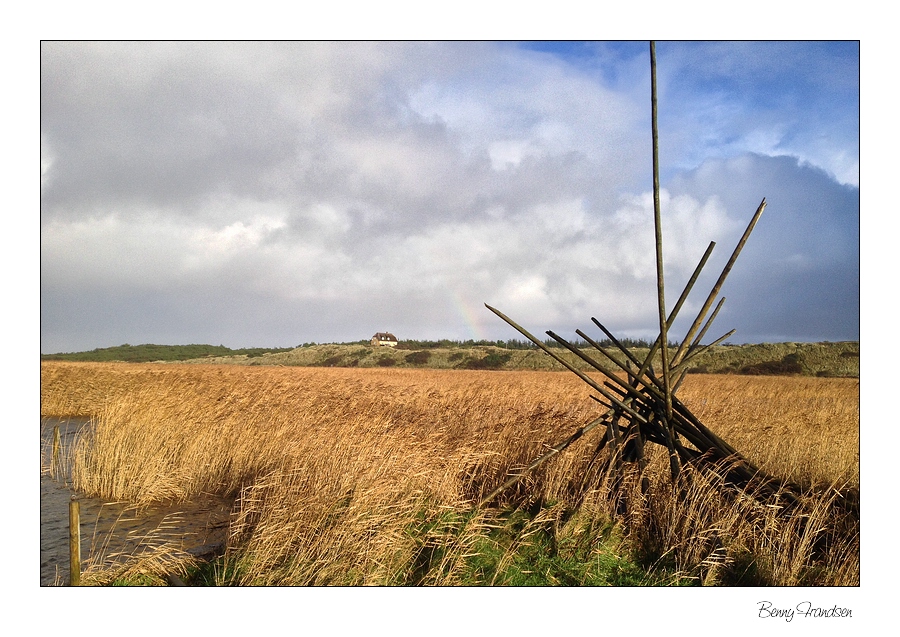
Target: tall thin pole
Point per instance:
(660, 280)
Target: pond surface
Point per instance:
(109, 529)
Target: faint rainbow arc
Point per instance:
(470, 315)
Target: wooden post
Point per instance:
(74, 543)
(660, 284)
(54, 458)
(718, 286)
(676, 309)
(562, 361)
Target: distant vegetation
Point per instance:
(516, 344)
(764, 359)
(152, 353)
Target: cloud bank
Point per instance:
(269, 194)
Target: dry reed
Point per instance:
(348, 476)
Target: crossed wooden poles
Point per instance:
(641, 407)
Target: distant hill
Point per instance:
(155, 353)
(806, 359)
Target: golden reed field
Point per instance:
(346, 476)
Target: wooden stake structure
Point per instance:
(643, 407)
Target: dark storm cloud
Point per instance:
(798, 276)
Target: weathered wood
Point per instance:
(713, 441)
(74, 542)
(624, 366)
(590, 361)
(717, 442)
(690, 285)
(652, 430)
(681, 368)
(721, 281)
(660, 278)
(681, 299)
(587, 379)
(710, 449)
(712, 317)
(695, 350)
(679, 422)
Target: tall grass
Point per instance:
(368, 476)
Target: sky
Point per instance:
(269, 194)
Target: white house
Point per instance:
(384, 338)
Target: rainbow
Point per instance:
(473, 315)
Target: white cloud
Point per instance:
(507, 153)
(47, 158)
(209, 248)
(337, 185)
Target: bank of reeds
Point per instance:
(352, 476)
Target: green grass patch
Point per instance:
(508, 548)
(138, 579)
(526, 548)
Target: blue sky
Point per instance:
(270, 194)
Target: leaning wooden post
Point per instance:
(54, 458)
(676, 309)
(74, 543)
(718, 286)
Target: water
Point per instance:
(110, 530)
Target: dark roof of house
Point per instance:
(385, 336)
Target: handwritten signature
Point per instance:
(803, 609)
